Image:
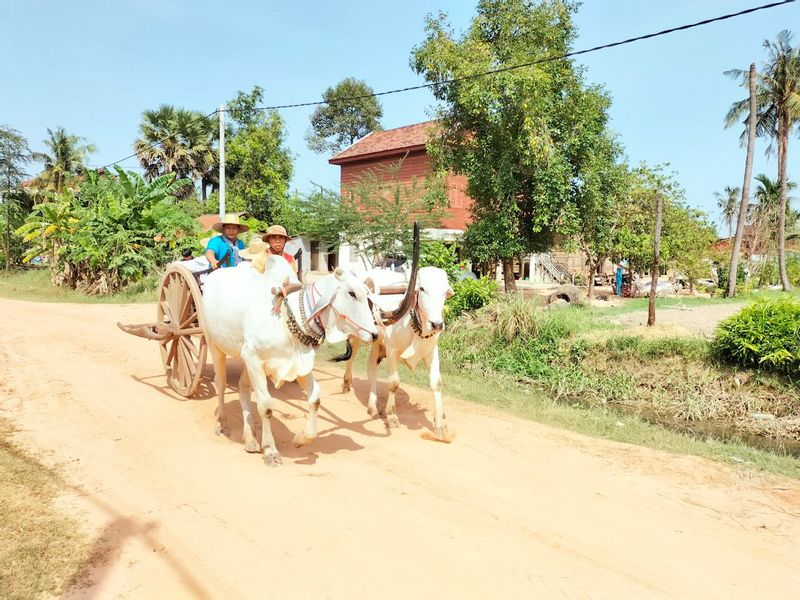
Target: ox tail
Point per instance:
(346, 355)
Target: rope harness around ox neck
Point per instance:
(417, 326)
(307, 338)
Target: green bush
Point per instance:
(434, 253)
(769, 274)
(116, 231)
(722, 276)
(764, 335)
(470, 294)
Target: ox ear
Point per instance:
(449, 292)
(323, 303)
(371, 285)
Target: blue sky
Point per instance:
(93, 66)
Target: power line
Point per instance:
(157, 142)
(539, 61)
(543, 60)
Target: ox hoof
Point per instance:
(440, 434)
(272, 459)
(345, 387)
(219, 429)
(392, 421)
(251, 446)
(372, 411)
(300, 439)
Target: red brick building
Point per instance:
(381, 149)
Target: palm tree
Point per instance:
(178, 141)
(65, 160)
(728, 203)
(778, 100)
(764, 214)
(750, 130)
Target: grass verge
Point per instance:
(34, 285)
(503, 392)
(640, 304)
(41, 550)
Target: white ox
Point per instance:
(240, 322)
(412, 339)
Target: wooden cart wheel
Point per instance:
(180, 308)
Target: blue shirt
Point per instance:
(221, 249)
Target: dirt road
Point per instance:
(510, 509)
(701, 320)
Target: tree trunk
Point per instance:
(748, 175)
(8, 231)
(590, 282)
(783, 146)
(651, 312)
(509, 283)
(203, 190)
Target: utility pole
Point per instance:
(748, 174)
(651, 314)
(221, 161)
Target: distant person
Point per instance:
(187, 254)
(618, 289)
(223, 250)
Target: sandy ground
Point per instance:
(701, 320)
(510, 509)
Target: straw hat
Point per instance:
(230, 219)
(256, 247)
(276, 230)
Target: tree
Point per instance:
(686, 234)
(522, 136)
(258, 165)
(179, 142)
(318, 216)
(750, 128)
(14, 155)
(690, 237)
(350, 112)
(114, 232)
(492, 237)
(764, 215)
(65, 160)
(728, 204)
(778, 101)
(378, 210)
(600, 198)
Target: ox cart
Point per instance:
(178, 328)
(180, 322)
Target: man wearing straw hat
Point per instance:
(223, 250)
(277, 237)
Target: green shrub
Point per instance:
(764, 335)
(434, 253)
(722, 276)
(470, 294)
(793, 271)
(117, 230)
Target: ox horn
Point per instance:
(394, 316)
